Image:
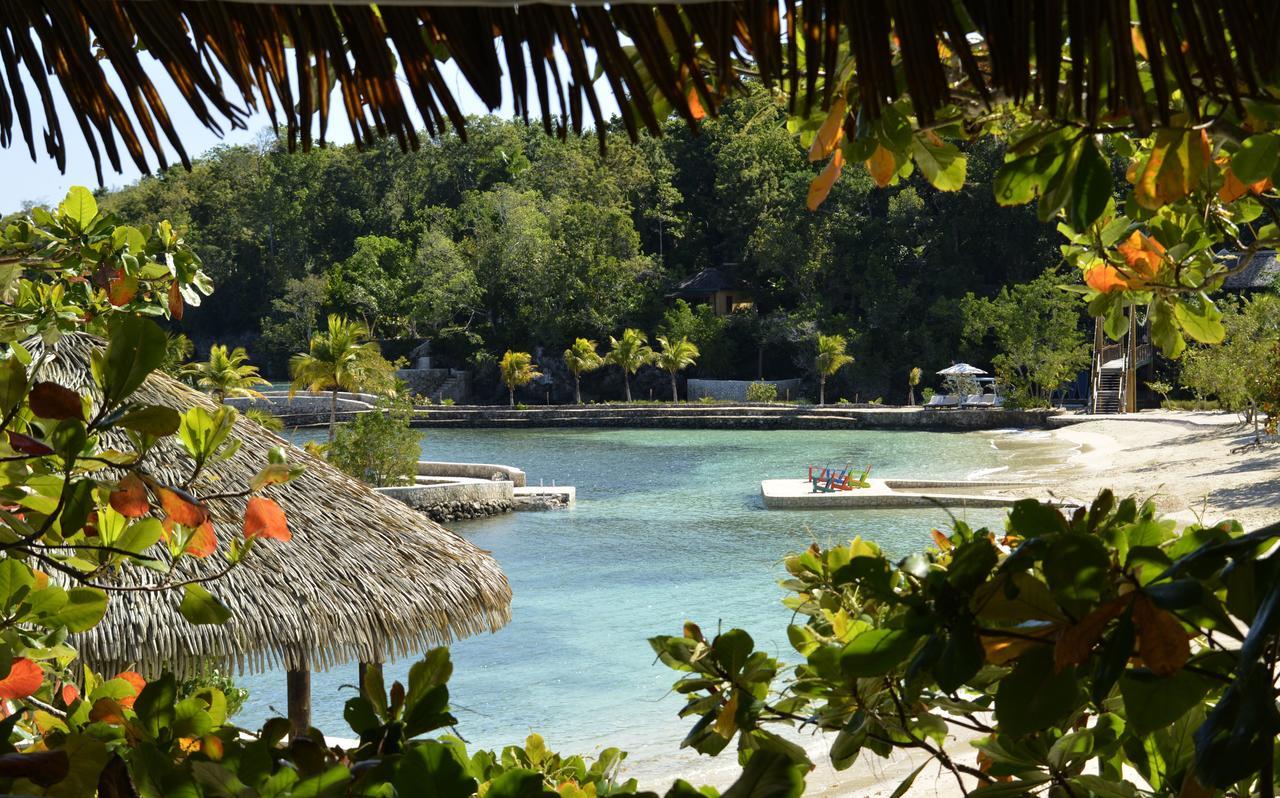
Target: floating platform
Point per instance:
(797, 494)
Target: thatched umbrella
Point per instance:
(365, 578)
(686, 55)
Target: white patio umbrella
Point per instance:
(960, 369)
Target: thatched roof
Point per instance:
(1261, 273)
(225, 57)
(365, 578)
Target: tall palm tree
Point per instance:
(913, 379)
(340, 358)
(517, 369)
(831, 358)
(580, 358)
(629, 353)
(225, 374)
(675, 357)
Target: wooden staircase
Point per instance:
(1108, 391)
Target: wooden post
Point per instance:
(1131, 365)
(299, 692)
(365, 669)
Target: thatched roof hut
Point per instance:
(687, 56)
(365, 578)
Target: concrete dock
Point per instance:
(797, 494)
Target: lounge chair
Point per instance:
(939, 400)
(980, 400)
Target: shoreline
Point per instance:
(1181, 460)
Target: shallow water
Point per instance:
(668, 527)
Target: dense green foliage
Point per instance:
(1037, 329)
(515, 240)
(1097, 654)
(378, 447)
(1241, 372)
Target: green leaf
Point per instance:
(155, 704)
(84, 609)
(940, 163)
(431, 763)
(1200, 318)
(332, 783)
(1090, 189)
(79, 207)
(136, 347)
(1033, 697)
(150, 419)
(960, 660)
(1152, 702)
(970, 564)
(1076, 567)
(199, 606)
(1257, 158)
(1029, 518)
(769, 775)
(516, 783)
(906, 783)
(1012, 789)
(16, 581)
(141, 535)
(876, 652)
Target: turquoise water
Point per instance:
(668, 527)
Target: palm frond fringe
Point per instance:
(1077, 59)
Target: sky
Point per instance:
(22, 180)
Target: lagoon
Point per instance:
(669, 527)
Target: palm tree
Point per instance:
(913, 379)
(629, 354)
(675, 357)
(517, 369)
(831, 358)
(579, 358)
(225, 374)
(340, 358)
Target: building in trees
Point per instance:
(714, 287)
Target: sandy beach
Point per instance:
(1190, 463)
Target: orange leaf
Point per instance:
(1174, 168)
(1139, 41)
(1105, 278)
(212, 747)
(1162, 640)
(1144, 256)
(130, 497)
(1232, 187)
(175, 301)
(882, 165)
(107, 710)
(1077, 640)
(134, 678)
(203, 541)
(70, 694)
(830, 133)
(695, 105)
(122, 289)
(51, 400)
(182, 507)
(940, 540)
(1000, 650)
(24, 679)
(821, 185)
(263, 518)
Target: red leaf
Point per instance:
(50, 400)
(24, 679)
(263, 518)
(70, 694)
(182, 507)
(134, 678)
(203, 541)
(122, 289)
(175, 301)
(130, 497)
(28, 445)
(107, 710)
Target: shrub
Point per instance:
(927, 393)
(710, 400)
(762, 392)
(378, 447)
(212, 678)
(447, 402)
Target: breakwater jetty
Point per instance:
(446, 491)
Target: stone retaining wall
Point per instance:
(454, 499)
(472, 470)
(736, 390)
(744, 416)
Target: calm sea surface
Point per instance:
(668, 527)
